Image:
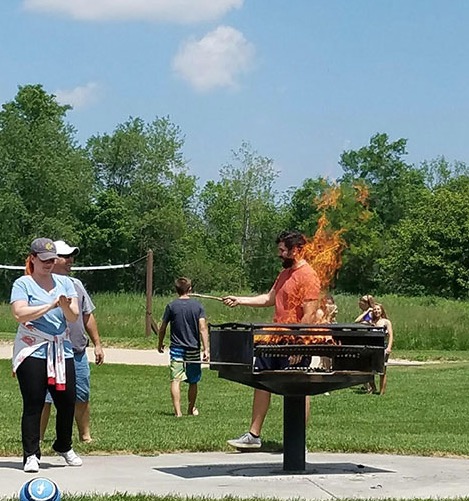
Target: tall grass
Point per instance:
(424, 323)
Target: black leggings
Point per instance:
(32, 378)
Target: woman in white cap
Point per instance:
(42, 303)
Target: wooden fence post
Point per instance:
(149, 289)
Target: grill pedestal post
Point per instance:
(294, 433)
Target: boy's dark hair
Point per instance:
(183, 285)
(291, 239)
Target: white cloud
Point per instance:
(216, 60)
(79, 97)
(181, 11)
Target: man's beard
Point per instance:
(287, 262)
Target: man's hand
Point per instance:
(205, 356)
(160, 347)
(98, 355)
(230, 301)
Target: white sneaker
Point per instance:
(71, 458)
(246, 441)
(31, 464)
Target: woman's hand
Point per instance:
(64, 301)
(69, 307)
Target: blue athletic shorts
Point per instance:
(181, 368)
(82, 376)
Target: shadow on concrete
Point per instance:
(18, 465)
(266, 470)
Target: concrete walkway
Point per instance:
(112, 355)
(150, 357)
(328, 476)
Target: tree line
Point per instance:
(405, 227)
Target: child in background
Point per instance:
(366, 304)
(188, 326)
(380, 319)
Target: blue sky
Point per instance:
(301, 80)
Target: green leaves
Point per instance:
(241, 219)
(46, 178)
(427, 251)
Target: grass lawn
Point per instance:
(422, 413)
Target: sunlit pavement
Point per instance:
(327, 476)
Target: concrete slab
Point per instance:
(328, 476)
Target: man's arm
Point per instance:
(261, 301)
(203, 329)
(91, 328)
(161, 335)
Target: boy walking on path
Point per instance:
(188, 326)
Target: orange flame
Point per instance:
(308, 339)
(324, 252)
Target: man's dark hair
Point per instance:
(183, 285)
(291, 239)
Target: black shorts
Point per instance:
(278, 363)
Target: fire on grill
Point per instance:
(306, 337)
(356, 351)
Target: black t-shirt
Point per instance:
(183, 316)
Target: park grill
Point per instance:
(356, 353)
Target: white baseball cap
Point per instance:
(63, 249)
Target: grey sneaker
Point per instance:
(71, 458)
(31, 464)
(246, 441)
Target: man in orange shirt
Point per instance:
(295, 295)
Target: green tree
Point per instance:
(241, 219)
(141, 172)
(302, 212)
(439, 172)
(427, 251)
(45, 178)
(394, 185)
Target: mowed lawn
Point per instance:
(424, 412)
